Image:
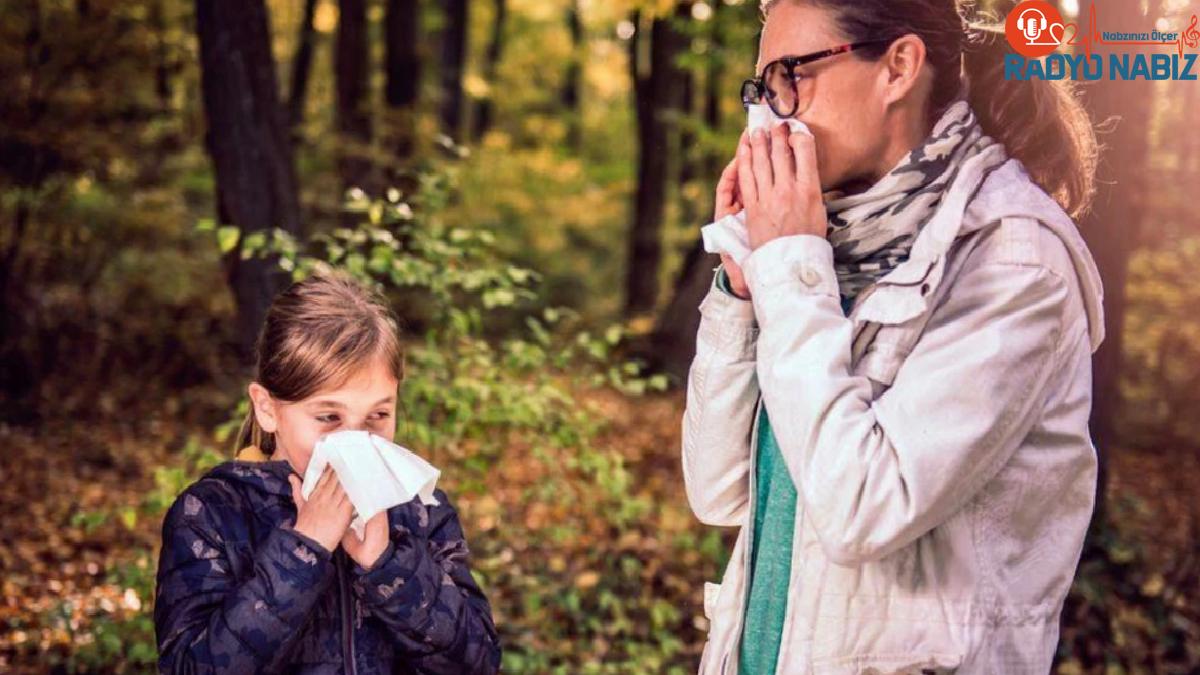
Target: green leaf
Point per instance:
(253, 243)
(227, 238)
(129, 517)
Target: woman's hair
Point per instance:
(319, 332)
(1040, 122)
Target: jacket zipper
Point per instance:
(347, 620)
(857, 344)
(746, 580)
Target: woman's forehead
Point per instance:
(792, 29)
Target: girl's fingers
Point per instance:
(746, 183)
(329, 484)
(322, 485)
(783, 164)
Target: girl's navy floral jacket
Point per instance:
(239, 591)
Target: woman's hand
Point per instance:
(326, 514)
(729, 202)
(373, 544)
(779, 186)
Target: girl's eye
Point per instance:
(327, 419)
(382, 415)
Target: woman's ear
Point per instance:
(265, 411)
(904, 63)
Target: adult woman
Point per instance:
(923, 482)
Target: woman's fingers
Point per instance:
(727, 191)
(764, 175)
(745, 172)
(783, 163)
(804, 154)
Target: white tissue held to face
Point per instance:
(760, 116)
(376, 473)
(729, 234)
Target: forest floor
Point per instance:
(56, 565)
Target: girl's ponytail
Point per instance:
(252, 435)
(1040, 122)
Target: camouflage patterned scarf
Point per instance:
(872, 232)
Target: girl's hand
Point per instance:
(326, 514)
(373, 544)
(729, 202)
(780, 186)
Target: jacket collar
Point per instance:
(252, 453)
(256, 469)
(904, 293)
(983, 194)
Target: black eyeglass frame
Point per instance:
(761, 91)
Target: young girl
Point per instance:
(253, 578)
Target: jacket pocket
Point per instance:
(886, 350)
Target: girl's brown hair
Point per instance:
(319, 332)
(1041, 123)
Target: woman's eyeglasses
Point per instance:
(786, 92)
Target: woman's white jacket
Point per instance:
(938, 439)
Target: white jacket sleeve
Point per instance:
(722, 395)
(876, 475)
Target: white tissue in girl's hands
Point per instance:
(376, 473)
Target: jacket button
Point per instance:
(810, 276)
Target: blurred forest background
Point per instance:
(526, 179)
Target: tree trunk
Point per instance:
(658, 96)
(675, 333)
(495, 51)
(572, 92)
(454, 56)
(162, 66)
(402, 31)
(351, 64)
(302, 66)
(247, 139)
(689, 158)
(1111, 229)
